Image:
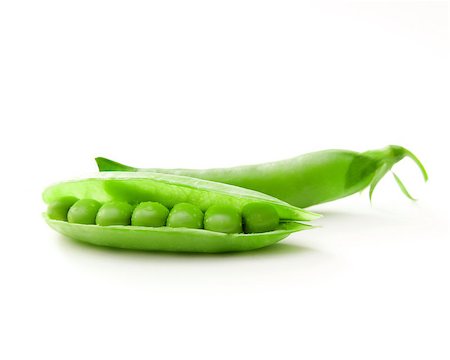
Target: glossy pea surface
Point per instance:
(58, 209)
(185, 215)
(260, 217)
(151, 214)
(114, 213)
(223, 218)
(83, 211)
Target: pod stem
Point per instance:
(418, 163)
(387, 158)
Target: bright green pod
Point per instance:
(169, 190)
(173, 239)
(305, 180)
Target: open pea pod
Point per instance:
(170, 190)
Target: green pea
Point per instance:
(149, 214)
(223, 218)
(83, 211)
(58, 209)
(185, 215)
(114, 213)
(260, 217)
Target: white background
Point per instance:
(220, 83)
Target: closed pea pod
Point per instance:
(304, 180)
(169, 191)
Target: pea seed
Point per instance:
(149, 214)
(58, 209)
(223, 218)
(114, 213)
(185, 215)
(83, 211)
(259, 217)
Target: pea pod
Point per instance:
(169, 190)
(304, 180)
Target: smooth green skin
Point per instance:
(169, 190)
(185, 215)
(305, 180)
(58, 209)
(224, 219)
(172, 239)
(151, 214)
(84, 211)
(259, 217)
(114, 213)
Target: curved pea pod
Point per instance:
(169, 190)
(305, 180)
(172, 239)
